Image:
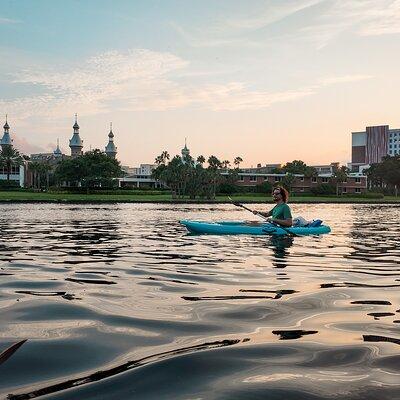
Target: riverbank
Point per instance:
(33, 197)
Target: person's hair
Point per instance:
(284, 193)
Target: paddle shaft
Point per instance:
(262, 216)
(246, 208)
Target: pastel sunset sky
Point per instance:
(270, 81)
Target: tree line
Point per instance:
(186, 176)
(385, 176)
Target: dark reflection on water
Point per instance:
(118, 301)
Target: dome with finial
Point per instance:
(111, 149)
(76, 126)
(6, 139)
(57, 152)
(76, 143)
(6, 126)
(185, 151)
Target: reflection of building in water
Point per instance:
(374, 233)
(94, 238)
(280, 246)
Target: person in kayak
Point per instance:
(280, 214)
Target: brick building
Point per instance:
(356, 183)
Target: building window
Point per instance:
(253, 178)
(277, 179)
(302, 189)
(324, 180)
(314, 179)
(344, 190)
(358, 180)
(358, 190)
(241, 178)
(302, 179)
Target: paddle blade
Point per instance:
(7, 353)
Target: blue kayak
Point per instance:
(246, 228)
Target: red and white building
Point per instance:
(356, 183)
(369, 146)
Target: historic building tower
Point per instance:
(76, 143)
(6, 139)
(185, 151)
(111, 150)
(57, 152)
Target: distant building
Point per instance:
(355, 183)
(76, 143)
(369, 146)
(18, 172)
(185, 152)
(139, 177)
(111, 150)
(6, 139)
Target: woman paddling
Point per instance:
(280, 214)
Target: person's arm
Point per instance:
(283, 222)
(264, 214)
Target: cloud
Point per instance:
(343, 79)
(8, 21)
(271, 14)
(139, 80)
(361, 17)
(319, 27)
(25, 147)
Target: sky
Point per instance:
(267, 80)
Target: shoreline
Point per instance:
(105, 200)
(18, 197)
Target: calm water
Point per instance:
(119, 302)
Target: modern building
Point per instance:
(369, 146)
(17, 172)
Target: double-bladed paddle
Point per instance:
(262, 216)
(246, 208)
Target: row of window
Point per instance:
(314, 179)
(14, 171)
(344, 190)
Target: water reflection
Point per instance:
(280, 246)
(96, 286)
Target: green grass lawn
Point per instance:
(9, 196)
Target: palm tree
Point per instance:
(10, 157)
(213, 168)
(340, 176)
(201, 160)
(226, 164)
(162, 158)
(237, 161)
